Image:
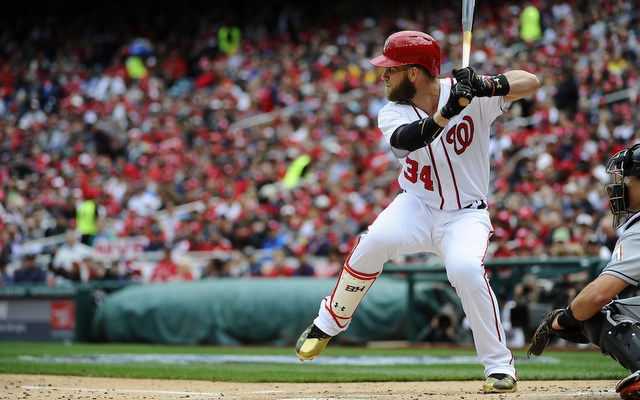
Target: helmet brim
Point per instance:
(385, 62)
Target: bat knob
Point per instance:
(463, 101)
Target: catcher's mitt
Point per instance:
(545, 334)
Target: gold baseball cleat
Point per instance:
(311, 343)
(500, 383)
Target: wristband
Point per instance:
(566, 318)
(500, 85)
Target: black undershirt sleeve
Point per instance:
(415, 135)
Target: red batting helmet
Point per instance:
(410, 47)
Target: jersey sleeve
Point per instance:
(492, 107)
(625, 260)
(390, 118)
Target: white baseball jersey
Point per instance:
(453, 171)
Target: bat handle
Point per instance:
(463, 101)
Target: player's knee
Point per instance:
(465, 271)
(377, 242)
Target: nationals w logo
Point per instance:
(461, 135)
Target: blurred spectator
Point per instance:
(331, 265)
(105, 271)
(253, 262)
(185, 270)
(530, 28)
(216, 268)
(87, 216)
(5, 277)
(567, 96)
(144, 201)
(229, 37)
(562, 244)
(169, 221)
(165, 269)
(105, 230)
(81, 270)
(30, 271)
(517, 311)
(70, 255)
(156, 239)
(305, 268)
(280, 265)
(595, 248)
(443, 326)
(500, 246)
(275, 239)
(60, 227)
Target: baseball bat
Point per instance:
(468, 11)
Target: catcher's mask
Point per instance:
(624, 163)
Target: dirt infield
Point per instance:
(36, 387)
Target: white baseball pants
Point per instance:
(460, 238)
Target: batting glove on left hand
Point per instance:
(453, 106)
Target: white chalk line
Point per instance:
(229, 394)
(198, 394)
(575, 394)
(143, 391)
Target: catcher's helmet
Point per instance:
(410, 47)
(624, 163)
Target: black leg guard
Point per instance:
(617, 335)
(622, 342)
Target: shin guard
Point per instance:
(622, 342)
(348, 293)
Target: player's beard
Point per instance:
(404, 91)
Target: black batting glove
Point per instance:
(460, 91)
(479, 86)
(465, 74)
(483, 87)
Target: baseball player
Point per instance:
(593, 316)
(443, 148)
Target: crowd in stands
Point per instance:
(144, 111)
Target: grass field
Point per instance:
(43, 358)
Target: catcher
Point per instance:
(594, 316)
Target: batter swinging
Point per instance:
(443, 149)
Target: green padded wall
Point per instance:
(231, 311)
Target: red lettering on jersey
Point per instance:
(461, 135)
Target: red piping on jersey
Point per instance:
(357, 274)
(493, 300)
(346, 262)
(435, 170)
(453, 175)
(450, 167)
